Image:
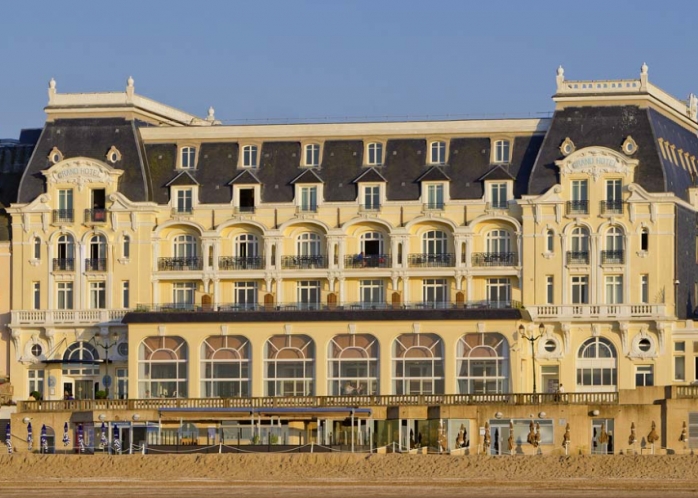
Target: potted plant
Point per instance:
(101, 394)
(36, 395)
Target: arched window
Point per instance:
(353, 365)
(438, 153)
(614, 246)
(580, 240)
(434, 242)
(37, 248)
(80, 358)
(418, 364)
(126, 247)
(312, 155)
(225, 367)
(375, 154)
(97, 260)
(372, 243)
(249, 156)
(188, 157)
(498, 242)
(246, 246)
(550, 241)
(289, 365)
(65, 260)
(597, 366)
(308, 244)
(185, 246)
(483, 364)
(162, 367)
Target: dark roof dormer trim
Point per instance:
(184, 178)
(497, 172)
(370, 175)
(245, 178)
(434, 174)
(308, 176)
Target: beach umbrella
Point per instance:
(117, 442)
(103, 436)
(510, 440)
(684, 433)
(66, 439)
(44, 439)
(566, 438)
(8, 438)
(81, 439)
(632, 439)
(30, 437)
(486, 442)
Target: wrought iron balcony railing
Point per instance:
(494, 259)
(367, 261)
(96, 264)
(303, 262)
(241, 263)
(433, 206)
(613, 257)
(63, 215)
(370, 208)
(427, 260)
(577, 257)
(577, 207)
(180, 264)
(306, 208)
(63, 264)
(244, 209)
(611, 207)
(95, 216)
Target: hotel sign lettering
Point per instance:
(597, 162)
(81, 172)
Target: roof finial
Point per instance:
(211, 114)
(129, 82)
(644, 68)
(52, 84)
(51, 90)
(560, 78)
(643, 77)
(130, 89)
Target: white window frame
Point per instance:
(614, 289)
(308, 208)
(438, 152)
(236, 194)
(435, 195)
(97, 295)
(374, 192)
(249, 156)
(374, 290)
(549, 289)
(304, 293)
(435, 292)
(65, 296)
(183, 294)
(501, 287)
(581, 282)
(188, 156)
(179, 193)
(353, 374)
(644, 288)
(432, 358)
(36, 248)
(303, 363)
(375, 154)
(210, 383)
(312, 155)
(248, 291)
(498, 147)
(126, 247)
(35, 380)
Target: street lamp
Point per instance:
(532, 339)
(107, 344)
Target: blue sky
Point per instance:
(310, 59)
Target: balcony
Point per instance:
(433, 206)
(66, 317)
(612, 257)
(96, 264)
(303, 262)
(244, 209)
(431, 260)
(368, 261)
(180, 264)
(63, 215)
(182, 210)
(370, 208)
(577, 257)
(95, 216)
(494, 259)
(306, 208)
(240, 263)
(63, 264)
(501, 205)
(611, 207)
(575, 208)
(583, 312)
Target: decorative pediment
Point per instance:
(596, 162)
(81, 171)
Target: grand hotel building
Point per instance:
(417, 270)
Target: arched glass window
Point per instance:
(289, 365)
(550, 241)
(126, 247)
(249, 156)
(246, 246)
(188, 157)
(80, 359)
(438, 153)
(185, 246)
(353, 365)
(597, 366)
(375, 154)
(580, 240)
(483, 364)
(614, 239)
(66, 247)
(98, 247)
(372, 243)
(418, 364)
(434, 242)
(225, 367)
(312, 155)
(308, 244)
(162, 367)
(498, 241)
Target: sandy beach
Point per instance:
(308, 476)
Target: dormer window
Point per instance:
(502, 151)
(438, 153)
(187, 157)
(435, 197)
(374, 153)
(250, 156)
(498, 193)
(184, 200)
(312, 155)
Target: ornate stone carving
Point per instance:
(81, 172)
